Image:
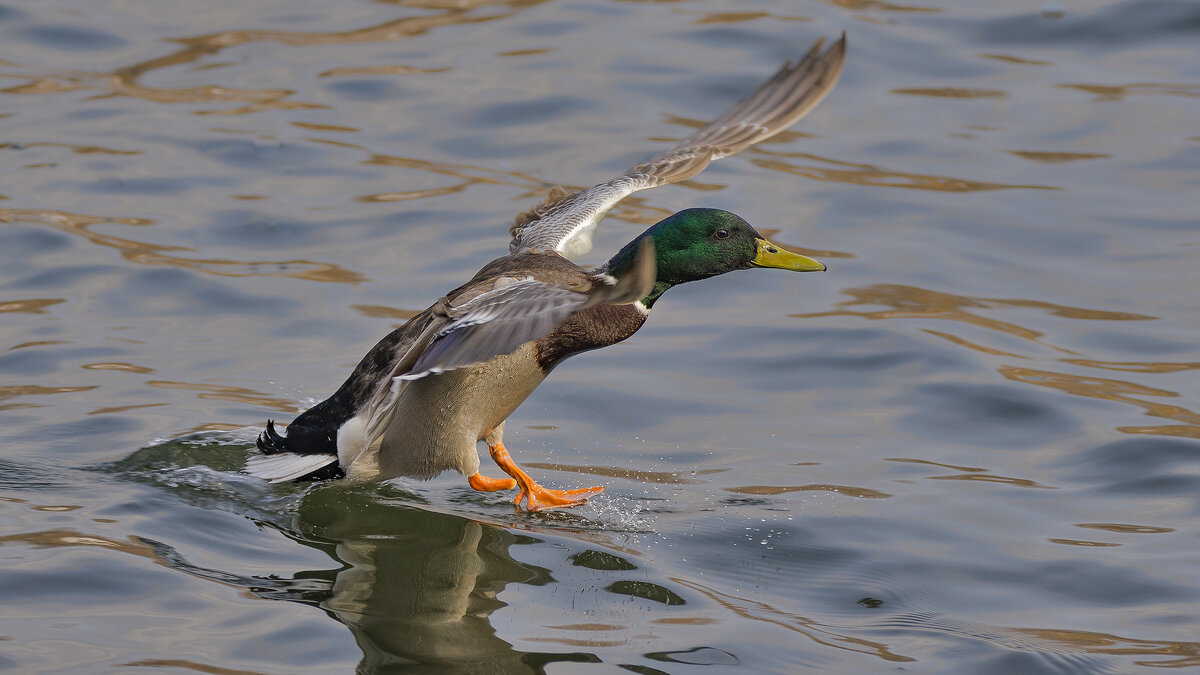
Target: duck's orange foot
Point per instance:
(485, 484)
(538, 498)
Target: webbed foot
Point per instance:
(535, 496)
(538, 498)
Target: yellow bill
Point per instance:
(770, 255)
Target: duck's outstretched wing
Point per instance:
(497, 322)
(516, 311)
(564, 222)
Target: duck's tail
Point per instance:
(277, 462)
(270, 442)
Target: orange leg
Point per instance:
(536, 496)
(485, 484)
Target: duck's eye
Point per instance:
(721, 234)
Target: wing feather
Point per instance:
(565, 221)
(472, 333)
(496, 322)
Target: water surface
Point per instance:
(972, 446)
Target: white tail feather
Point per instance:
(284, 466)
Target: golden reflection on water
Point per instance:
(466, 174)
(184, 664)
(324, 127)
(211, 426)
(68, 537)
(632, 209)
(524, 52)
(124, 81)
(1115, 390)
(38, 343)
(971, 473)
(952, 92)
(1119, 92)
(1017, 59)
(157, 254)
(742, 17)
(914, 302)
(124, 408)
(1137, 366)
(925, 461)
(963, 342)
(1057, 157)
(866, 174)
(1183, 654)
(863, 5)
(16, 391)
(77, 149)
(848, 490)
(1126, 529)
(685, 621)
(351, 71)
(1060, 641)
(227, 393)
(1178, 430)
(576, 642)
(989, 478)
(384, 312)
(1071, 312)
(117, 365)
(1082, 542)
(31, 306)
(907, 302)
(589, 627)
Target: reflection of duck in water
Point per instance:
(422, 398)
(421, 591)
(416, 588)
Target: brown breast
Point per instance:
(592, 328)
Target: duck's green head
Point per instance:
(696, 244)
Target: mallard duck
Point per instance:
(424, 396)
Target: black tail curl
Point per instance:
(270, 442)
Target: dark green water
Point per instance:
(971, 446)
